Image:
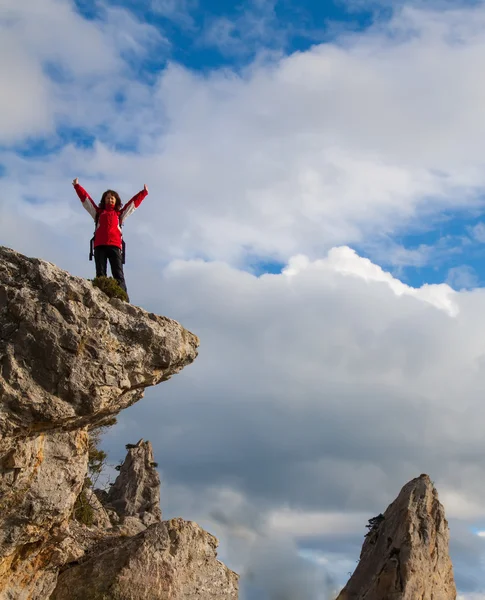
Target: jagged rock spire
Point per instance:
(405, 554)
(136, 491)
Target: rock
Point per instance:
(405, 555)
(101, 518)
(136, 491)
(130, 526)
(113, 516)
(37, 494)
(172, 560)
(70, 359)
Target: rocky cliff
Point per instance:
(71, 359)
(405, 553)
(131, 554)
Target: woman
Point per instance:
(109, 217)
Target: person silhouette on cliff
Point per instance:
(109, 216)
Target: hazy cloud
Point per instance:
(461, 277)
(317, 394)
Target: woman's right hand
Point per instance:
(75, 181)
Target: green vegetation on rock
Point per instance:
(110, 287)
(83, 511)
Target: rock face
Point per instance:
(69, 355)
(71, 359)
(405, 554)
(173, 560)
(40, 479)
(136, 491)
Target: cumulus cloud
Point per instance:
(345, 260)
(34, 34)
(63, 69)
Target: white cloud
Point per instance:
(399, 256)
(129, 35)
(346, 261)
(178, 11)
(63, 69)
(26, 82)
(461, 277)
(478, 232)
(254, 26)
(53, 30)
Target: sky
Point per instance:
(315, 215)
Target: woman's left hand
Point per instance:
(145, 188)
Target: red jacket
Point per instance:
(109, 220)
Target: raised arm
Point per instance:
(85, 198)
(133, 204)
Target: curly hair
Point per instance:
(115, 194)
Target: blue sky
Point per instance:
(287, 26)
(315, 215)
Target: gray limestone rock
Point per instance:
(136, 491)
(405, 554)
(172, 560)
(70, 359)
(101, 518)
(40, 479)
(69, 355)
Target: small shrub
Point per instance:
(96, 459)
(83, 511)
(110, 287)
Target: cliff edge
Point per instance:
(70, 360)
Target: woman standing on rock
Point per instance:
(109, 216)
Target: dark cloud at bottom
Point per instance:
(317, 395)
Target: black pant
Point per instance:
(112, 253)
